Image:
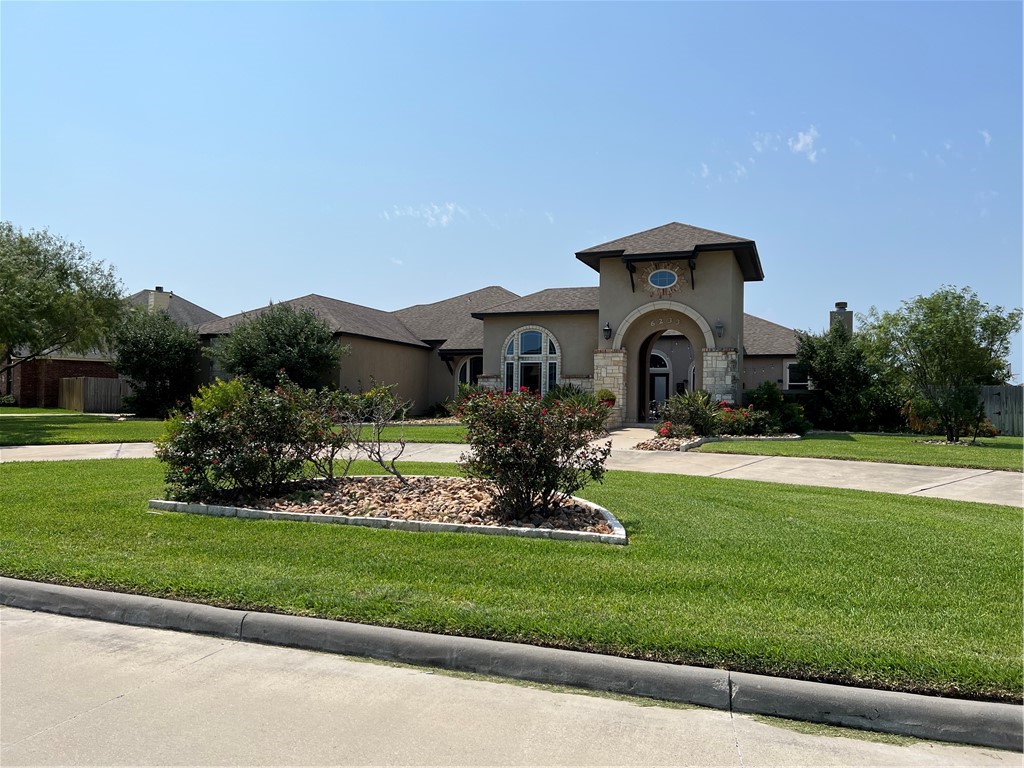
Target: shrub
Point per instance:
(695, 409)
(8, 400)
(746, 421)
(782, 415)
(674, 429)
(536, 454)
(792, 419)
(605, 395)
(239, 437)
(571, 394)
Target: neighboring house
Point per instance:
(666, 316)
(37, 381)
(423, 350)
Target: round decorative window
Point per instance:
(662, 278)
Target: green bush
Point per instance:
(782, 415)
(242, 439)
(535, 454)
(695, 409)
(571, 394)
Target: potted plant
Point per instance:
(606, 397)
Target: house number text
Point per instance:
(665, 321)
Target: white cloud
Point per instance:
(704, 170)
(551, 219)
(803, 143)
(738, 170)
(986, 136)
(432, 214)
(765, 141)
(397, 262)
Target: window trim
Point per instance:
(800, 387)
(548, 342)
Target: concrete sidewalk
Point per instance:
(85, 692)
(979, 485)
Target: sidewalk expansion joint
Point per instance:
(742, 466)
(949, 482)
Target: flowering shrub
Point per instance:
(239, 436)
(535, 454)
(746, 421)
(674, 429)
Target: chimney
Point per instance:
(842, 316)
(159, 299)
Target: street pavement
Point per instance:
(979, 485)
(77, 692)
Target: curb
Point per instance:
(986, 724)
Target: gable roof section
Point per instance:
(181, 310)
(763, 337)
(675, 240)
(342, 317)
(452, 320)
(564, 301)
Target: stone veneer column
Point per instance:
(610, 373)
(721, 373)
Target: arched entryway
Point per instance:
(673, 337)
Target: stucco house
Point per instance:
(666, 316)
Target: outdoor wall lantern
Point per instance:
(607, 330)
(719, 328)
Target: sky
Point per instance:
(391, 154)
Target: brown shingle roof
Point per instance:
(452, 319)
(678, 240)
(763, 337)
(341, 316)
(550, 301)
(181, 310)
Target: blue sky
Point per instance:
(390, 154)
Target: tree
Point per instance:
(840, 378)
(53, 297)
(945, 346)
(281, 338)
(160, 359)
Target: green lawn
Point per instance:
(13, 410)
(868, 589)
(56, 429)
(990, 453)
(34, 427)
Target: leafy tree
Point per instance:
(945, 346)
(53, 297)
(840, 376)
(281, 338)
(160, 359)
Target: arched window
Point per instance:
(532, 359)
(470, 370)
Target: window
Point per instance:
(532, 359)
(470, 370)
(663, 278)
(795, 376)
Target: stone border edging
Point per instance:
(987, 724)
(617, 536)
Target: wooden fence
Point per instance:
(1004, 406)
(91, 395)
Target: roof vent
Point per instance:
(841, 316)
(160, 289)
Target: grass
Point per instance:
(57, 429)
(14, 410)
(1002, 452)
(425, 433)
(867, 589)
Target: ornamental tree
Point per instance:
(159, 358)
(536, 455)
(945, 346)
(54, 297)
(279, 339)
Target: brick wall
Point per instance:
(37, 382)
